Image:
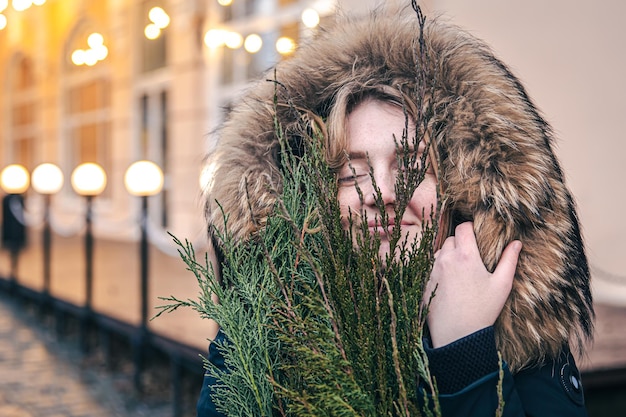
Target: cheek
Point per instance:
(425, 197)
(348, 201)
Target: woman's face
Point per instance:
(371, 128)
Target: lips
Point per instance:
(375, 226)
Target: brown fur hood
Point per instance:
(496, 158)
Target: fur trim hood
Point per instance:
(496, 157)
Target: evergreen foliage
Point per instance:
(317, 324)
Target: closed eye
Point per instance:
(353, 171)
(348, 178)
(351, 178)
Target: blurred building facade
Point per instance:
(116, 81)
(139, 91)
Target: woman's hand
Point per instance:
(467, 296)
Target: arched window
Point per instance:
(152, 96)
(22, 120)
(87, 101)
(154, 21)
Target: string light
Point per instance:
(96, 52)
(78, 57)
(152, 31)
(158, 16)
(310, 18)
(253, 43)
(159, 20)
(21, 5)
(285, 45)
(214, 38)
(233, 40)
(18, 6)
(91, 58)
(95, 40)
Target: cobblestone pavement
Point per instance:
(41, 376)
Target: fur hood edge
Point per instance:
(498, 165)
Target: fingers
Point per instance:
(465, 237)
(448, 244)
(464, 229)
(467, 296)
(464, 240)
(508, 261)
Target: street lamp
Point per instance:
(88, 180)
(14, 180)
(47, 180)
(143, 179)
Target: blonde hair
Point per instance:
(346, 99)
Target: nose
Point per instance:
(386, 183)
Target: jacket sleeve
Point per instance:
(205, 406)
(467, 373)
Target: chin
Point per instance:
(408, 238)
(383, 250)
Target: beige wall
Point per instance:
(571, 57)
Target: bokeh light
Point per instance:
(152, 31)
(214, 38)
(21, 5)
(143, 178)
(89, 179)
(285, 45)
(233, 40)
(158, 16)
(47, 178)
(310, 18)
(14, 179)
(253, 43)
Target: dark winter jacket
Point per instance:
(498, 169)
(467, 373)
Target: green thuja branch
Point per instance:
(202, 274)
(316, 323)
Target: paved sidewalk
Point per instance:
(42, 377)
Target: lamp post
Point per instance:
(88, 180)
(47, 180)
(14, 180)
(143, 179)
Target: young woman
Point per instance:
(490, 155)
